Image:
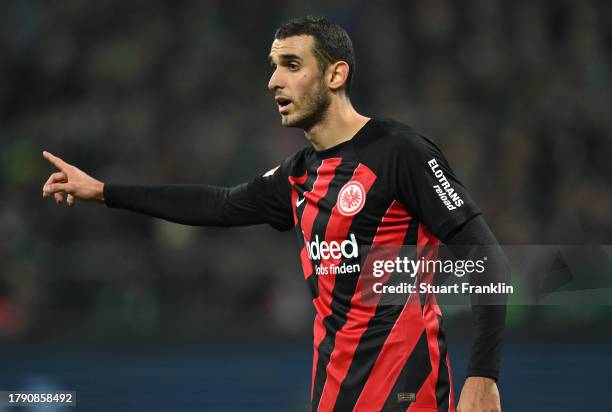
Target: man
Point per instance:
(362, 182)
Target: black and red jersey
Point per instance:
(388, 185)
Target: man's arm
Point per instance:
(474, 240)
(186, 204)
(197, 205)
(431, 190)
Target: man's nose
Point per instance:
(275, 81)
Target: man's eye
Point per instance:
(293, 66)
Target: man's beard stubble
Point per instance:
(313, 108)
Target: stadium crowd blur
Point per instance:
(517, 94)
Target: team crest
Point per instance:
(351, 198)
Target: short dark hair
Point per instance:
(331, 42)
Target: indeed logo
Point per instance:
(337, 250)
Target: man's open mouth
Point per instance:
(283, 103)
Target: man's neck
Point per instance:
(340, 124)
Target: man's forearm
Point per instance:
(198, 205)
(475, 239)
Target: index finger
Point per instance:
(56, 161)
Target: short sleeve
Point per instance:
(271, 194)
(427, 186)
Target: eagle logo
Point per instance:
(351, 198)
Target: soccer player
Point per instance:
(362, 182)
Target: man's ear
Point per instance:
(337, 75)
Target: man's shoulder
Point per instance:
(391, 134)
(290, 165)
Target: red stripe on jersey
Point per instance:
(427, 246)
(337, 230)
(391, 231)
(427, 393)
(325, 174)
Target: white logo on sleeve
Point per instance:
(271, 171)
(299, 201)
(351, 198)
(445, 191)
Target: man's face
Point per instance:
(298, 85)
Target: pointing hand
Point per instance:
(71, 181)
